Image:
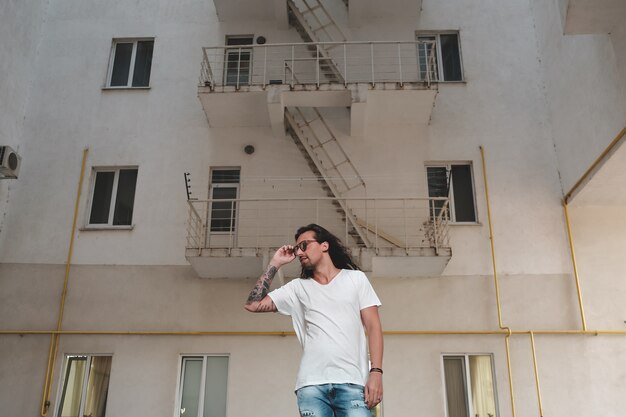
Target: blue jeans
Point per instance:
(332, 400)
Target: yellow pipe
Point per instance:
(508, 364)
(291, 333)
(595, 163)
(493, 249)
(54, 339)
(495, 281)
(532, 342)
(573, 255)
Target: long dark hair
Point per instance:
(339, 254)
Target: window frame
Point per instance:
(468, 382)
(109, 225)
(85, 382)
(235, 223)
(437, 34)
(451, 206)
(131, 70)
(242, 48)
(180, 378)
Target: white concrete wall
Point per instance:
(513, 103)
(21, 24)
(583, 81)
(20, 28)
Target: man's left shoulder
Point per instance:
(355, 273)
(356, 276)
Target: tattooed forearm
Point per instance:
(262, 286)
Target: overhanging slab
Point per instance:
(605, 183)
(360, 11)
(400, 107)
(241, 263)
(257, 106)
(254, 10)
(593, 16)
(235, 109)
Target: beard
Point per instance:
(307, 271)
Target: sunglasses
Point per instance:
(302, 245)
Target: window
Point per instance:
(131, 61)
(224, 186)
(203, 382)
(455, 182)
(238, 60)
(113, 197)
(470, 388)
(445, 63)
(85, 386)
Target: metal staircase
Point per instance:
(329, 162)
(316, 141)
(310, 17)
(314, 24)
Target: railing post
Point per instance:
(289, 210)
(406, 238)
(317, 211)
(238, 67)
(376, 225)
(204, 229)
(345, 213)
(293, 68)
(258, 222)
(436, 232)
(400, 63)
(204, 73)
(345, 67)
(317, 60)
(428, 62)
(231, 240)
(264, 66)
(367, 221)
(372, 59)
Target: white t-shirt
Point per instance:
(327, 321)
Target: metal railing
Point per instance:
(407, 223)
(318, 62)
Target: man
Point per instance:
(329, 305)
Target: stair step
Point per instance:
(354, 186)
(323, 143)
(311, 9)
(322, 27)
(308, 122)
(338, 165)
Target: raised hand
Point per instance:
(283, 256)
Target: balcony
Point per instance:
(593, 16)
(250, 85)
(401, 237)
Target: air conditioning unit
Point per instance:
(10, 162)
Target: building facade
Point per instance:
(468, 153)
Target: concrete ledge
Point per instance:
(241, 263)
